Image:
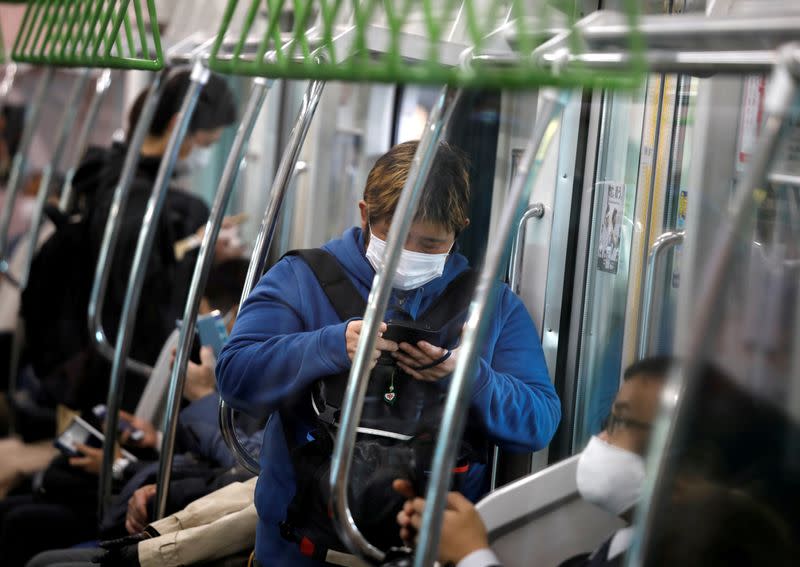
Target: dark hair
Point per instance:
(657, 367)
(445, 198)
(215, 106)
(225, 283)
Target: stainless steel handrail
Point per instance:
(378, 300)
(233, 166)
(101, 88)
(20, 160)
(681, 391)
(8, 82)
(477, 325)
(62, 135)
(535, 211)
(658, 250)
(266, 233)
(199, 77)
(111, 233)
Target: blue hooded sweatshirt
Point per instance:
(287, 336)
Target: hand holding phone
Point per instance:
(125, 425)
(80, 434)
(212, 331)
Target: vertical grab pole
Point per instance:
(680, 391)
(357, 383)
(266, 232)
(62, 134)
(101, 88)
(658, 250)
(20, 160)
(205, 256)
(113, 224)
(144, 246)
(478, 322)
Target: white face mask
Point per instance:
(610, 477)
(199, 158)
(415, 269)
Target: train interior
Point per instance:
(656, 219)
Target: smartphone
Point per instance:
(81, 432)
(212, 331)
(136, 435)
(410, 332)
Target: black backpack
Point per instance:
(395, 439)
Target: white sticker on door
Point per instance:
(610, 226)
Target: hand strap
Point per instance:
(436, 362)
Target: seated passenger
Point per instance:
(62, 509)
(610, 475)
(219, 525)
(63, 355)
(296, 337)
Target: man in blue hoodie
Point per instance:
(289, 337)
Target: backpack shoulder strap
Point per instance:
(453, 301)
(339, 289)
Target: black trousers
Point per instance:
(29, 526)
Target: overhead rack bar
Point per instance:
(410, 42)
(90, 33)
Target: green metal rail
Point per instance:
(342, 44)
(89, 33)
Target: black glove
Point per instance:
(134, 539)
(127, 556)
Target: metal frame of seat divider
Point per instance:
(20, 161)
(233, 166)
(198, 78)
(263, 243)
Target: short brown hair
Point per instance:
(445, 197)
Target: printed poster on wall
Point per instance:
(613, 199)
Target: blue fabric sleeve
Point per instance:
(202, 435)
(271, 357)
(513, 394)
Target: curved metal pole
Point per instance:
(202, 268)
(280, 185)
(478, 322)
(101, 88)
(62, 136)
(680, 392)
(535, 211)
(8, 82)
(20, 160)
(144, 246)
(658, 251)
(266, 232)
(116, 213)
(357, 383)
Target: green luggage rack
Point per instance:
(90, 33)
(370, 40)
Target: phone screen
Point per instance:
(78, 433)
(212, 331)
